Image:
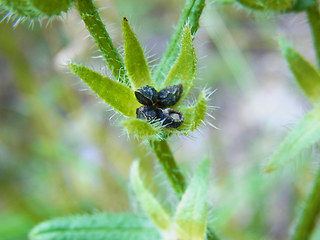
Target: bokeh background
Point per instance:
(62, 152)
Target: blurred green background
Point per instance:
(62, 152)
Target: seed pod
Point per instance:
(146, 95)
(169, 96)
(147, 113)
(170, 118)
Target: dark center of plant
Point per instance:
(155, 104)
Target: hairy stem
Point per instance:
(166, 159)
(90, 16)
(314, 22)
(310, 213)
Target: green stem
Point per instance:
(314, 22)
(166, 159)
(95, 26)
(310, 214)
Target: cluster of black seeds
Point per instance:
(155, 105)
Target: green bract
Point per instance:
(121, 96)
(117, 95)
(190, 14)
(135, 61)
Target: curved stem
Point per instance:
(310, 213)
(95, 26)
(314, 22)
(166, 159)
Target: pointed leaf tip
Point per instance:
(135, 62)
(117, 95)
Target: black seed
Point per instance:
(170, 118)
(169, 96)
(146, 112)
(146, 95)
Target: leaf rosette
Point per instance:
(120, 95)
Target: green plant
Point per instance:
(178, 66)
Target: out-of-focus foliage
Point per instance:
(305, 73)
(303, 135)
(60, 154)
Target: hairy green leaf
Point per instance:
(184, 69)
(190, 14)
(141, 128)
(194, 115)
(305, 73)
(200, 110)
(192, 211)
(302, 136)
(135, 61)
(150, 204)
(52, 7)
(96, 227)
(117, 95)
